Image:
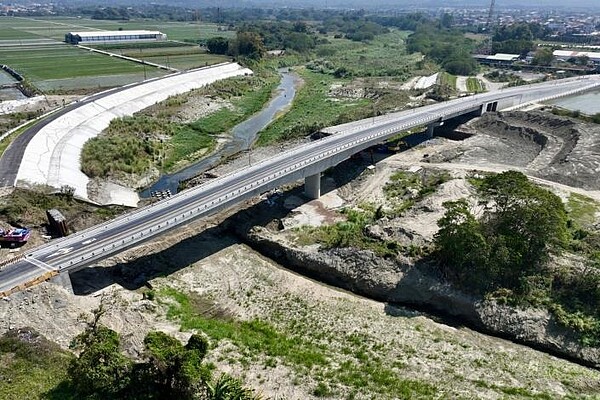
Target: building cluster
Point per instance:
(15, 9)
(562, 24)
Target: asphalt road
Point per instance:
(99, 242)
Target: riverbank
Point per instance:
(550, 149)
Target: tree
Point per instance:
(177, 371)
(447, 20)
(247, 44)
(462, 248)
(508, 247)
(543, 56)
(100, 371)
(218, 45)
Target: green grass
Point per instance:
(448, 80)
(312, 110)
(474, 85)
(63, 61)
(582, 210)
(383, 56)
(31, 369)
(8, 140)
(173, 54)
(188, 61)
(59, 67)
(8, 33)
(304, 350)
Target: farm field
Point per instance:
(63, 67)
(55, 28)
(34, 48)
(176, 55)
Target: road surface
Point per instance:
(82, 249)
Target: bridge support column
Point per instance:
(431, 127)
(63, 279)
(312, 186)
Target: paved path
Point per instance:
(49, 152)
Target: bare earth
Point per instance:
(202, 259)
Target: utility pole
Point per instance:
(490, 15)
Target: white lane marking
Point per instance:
(61, 252)
(39, 264)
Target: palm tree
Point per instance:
(230, 388)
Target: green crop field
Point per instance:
(180, 57)
(34, 48)
(56, 28)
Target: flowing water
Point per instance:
(587, 103)
(242, 136)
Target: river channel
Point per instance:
(587, 103)
(242, 136)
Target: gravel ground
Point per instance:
(203, 259)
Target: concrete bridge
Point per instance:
(305, 162)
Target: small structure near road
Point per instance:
(58, 222)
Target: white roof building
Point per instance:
(566, 54)
(113, 36)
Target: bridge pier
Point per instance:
(63, 279)
(431, 127)
(312, 186)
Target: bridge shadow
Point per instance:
(138, 272)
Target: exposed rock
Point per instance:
(399, 280)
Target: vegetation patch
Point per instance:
(403, 190)
(448, 47)
(385, 55)
(306, 351)
(312, 110)
(31, 365)
(407, 188)
(25, 207)
(505, 253)
(149, 139)
(474, 85)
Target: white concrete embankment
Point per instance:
(53, 155)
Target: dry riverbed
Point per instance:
(359, 348)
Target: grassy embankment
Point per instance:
(32, 367)
(474, 85)
(370, 70)
(300, 347)
(131, 145)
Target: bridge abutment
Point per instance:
(312, 186)
(63, 279)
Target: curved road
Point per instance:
(10, 160)
(81, 249)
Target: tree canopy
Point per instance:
(170, 370)
(509, 243)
